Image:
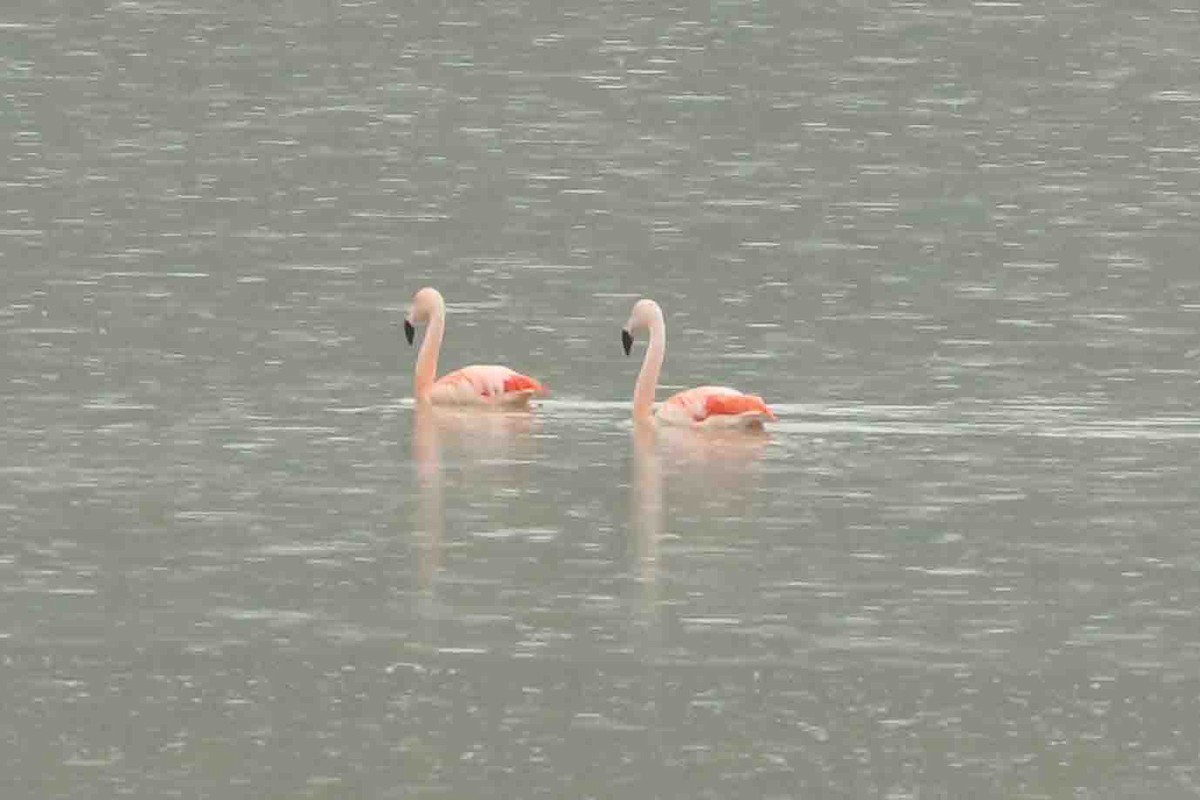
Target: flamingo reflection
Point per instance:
(703, 467)
(477, 444)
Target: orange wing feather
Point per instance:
(523, 383)
(733, 404)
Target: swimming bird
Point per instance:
(479, 385)
(703, 406)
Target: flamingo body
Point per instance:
(479, 385)
(485, 385)
(701, 407)
(714, 407)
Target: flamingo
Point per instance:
(701, 407)
(483, 385)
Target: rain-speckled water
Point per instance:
(955, 245)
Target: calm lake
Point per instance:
(953, 245)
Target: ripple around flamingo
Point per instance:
(1021, 419)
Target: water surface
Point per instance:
(954, 247)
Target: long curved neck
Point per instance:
(425, 372)
(647, 380)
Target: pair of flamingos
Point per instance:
(500, 387)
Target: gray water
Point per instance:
(955, 246)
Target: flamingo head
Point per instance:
(425, 304)
(644, 315)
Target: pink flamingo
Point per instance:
(701, 407)
(484, 385)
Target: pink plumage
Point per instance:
(703, 406)
(486, 384)
(476, 385)
(714, 407)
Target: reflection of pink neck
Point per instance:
(427, 360)
(647, 490)
(647, 380)
(427, 452)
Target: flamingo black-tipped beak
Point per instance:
(627, 341)
(409, 331)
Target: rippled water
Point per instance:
(954, 247)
